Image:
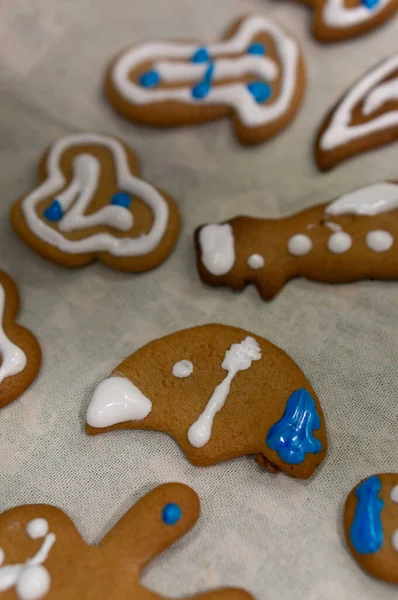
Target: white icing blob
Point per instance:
(299, 244)
(339, 242)
(379, 240)
(13, 358)
(37, 528)
(182, 369)
(394, 540)
(238, 358)
(117, 400)
(217, 246)
(333, 226)
(256, 261)
(394, 494)
(336, 14)
(370, 200)
(33, 583)
(2, 556)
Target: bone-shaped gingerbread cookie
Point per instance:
(255, 74)
(351, 238)
(42, 555)
(20, 355)
(365, 118)
(220, 392)
(91, 204)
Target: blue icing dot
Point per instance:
(370, 3)
(260, 90)
(201, 56)
(292, 437)
(256, 48)
(171, 514)
(54, 212)
(121, 199)
(149, 79)
(203, 88)
(366, 532)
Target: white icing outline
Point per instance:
(336, 14)
(14, 359)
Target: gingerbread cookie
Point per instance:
(255, 75)
(91, 204)
(220, 392)
(365, 118)
(20, 355)
(42, 555)
(371, 525)
(351, 238)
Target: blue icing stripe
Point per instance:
(149, 79)
(256, 48)
(171, 514)
(292, 437)
(370, 3)
(203, 88)
(54, 212)
(366, 532)
(121, 199)
(260, 91)
(201, 56)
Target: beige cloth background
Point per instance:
(277, 537)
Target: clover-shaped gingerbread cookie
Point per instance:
(42, 555)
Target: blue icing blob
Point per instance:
(201, 56)
(149, 79)
(366, 532)
(171, 514)
(260, 90)
(203, 88)
(121, 199)
(292, 437)
(370, 3)
(256, 48)
(54, 212)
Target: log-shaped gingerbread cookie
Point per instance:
(366, 117)
(220, 392)
(336, 20)
(255, 75)
(20, 354)
(42, 555)
(91, 204)
(353, 237)
(371, 525)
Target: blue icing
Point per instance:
(203, 88)
(366, 532)
(370, 3)
(260, 91)
(149, 79)
(54, 212)
(171, 514)
(292, 437)
(201, 56)
(256, 48)
(121, 199)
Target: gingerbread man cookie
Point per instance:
(42, 555)
(351, 238)
(365, 118)
(20, 354)
(371, 525)
(91, 204)
(255, 75)
(220, 392)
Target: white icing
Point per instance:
(339, 242)
(379, 240)
(2, 556)
(370, 200)
(37, 528)
(256, 261)
(336, 14)
(385, 92)
(83, 183)
(182, 369)
(117, 400)
(13, 358)
(394, 494)
(394, 540)
(299, 244)
(340, 130)
(238, 358)
(218, 248)
(234, 94)
(33, 583)
(333, 226)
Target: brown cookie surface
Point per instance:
(20, 354)
(220, 392)
(353, 237)
(255, 74)
(91, 204)
(42, 555)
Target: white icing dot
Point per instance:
(182, 369)
(2, 556)
(256, 261)
(37, 528)
(33, 583)
(339, 242)
(379, 240)
(394, 540)
(299, 244)
(394, 494)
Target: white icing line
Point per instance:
(13, 358)
(336, 14)
(369, 200)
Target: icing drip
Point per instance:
(13, 358)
